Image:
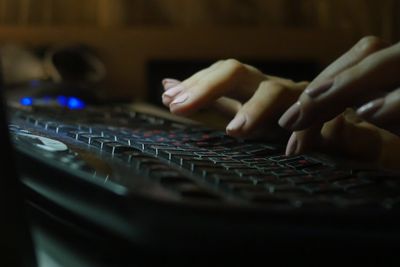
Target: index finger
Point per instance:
(231, 78)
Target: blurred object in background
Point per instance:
(361, 16)
(54, 71)
(20, 65)
(75, 64)
(141, 41)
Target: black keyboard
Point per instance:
(162, 159)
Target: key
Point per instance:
(116, 148)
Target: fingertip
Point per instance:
(291, 147)
(174, 91)
(168, 83)
(368, 110)
(166, 100)
(236, 125)
(180, 106)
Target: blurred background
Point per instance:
(142, 41)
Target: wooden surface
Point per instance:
(127, 52)
(361, 16)
(130, 33)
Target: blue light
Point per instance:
(75, 103)
(26, 101)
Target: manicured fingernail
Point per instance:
(180, 99)
(172, 92)
(236, 123)
(166, 100)
(316, 91)
(369, 109)
(290, 116)
(291, 146)
(169, 83)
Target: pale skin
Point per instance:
(351, 108)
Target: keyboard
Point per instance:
(177, 190)
(117, 175)
(150, 156)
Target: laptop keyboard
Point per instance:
(185, 163)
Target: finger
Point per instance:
(169, 83)
(349, 137)
(357, 53)
(201, 74)
(362, 141)
(313, 138)
(268, 102)
(384, 112)
(176, 89)
(291, 147)
(341, 136)
(227, 106)
(363, 48)
(373, 75)
(304, 141)
(230, 78)
(166, 100)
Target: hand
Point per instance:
(365, 78)
(254, 100)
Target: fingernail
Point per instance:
(236, 123)
(169, 83)
(180, 99)
(290, 116)
(172, 92)
(370, 108)
(166, 100)
(291, 146)
(316, 91)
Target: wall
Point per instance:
(360, 16)
(132, 34)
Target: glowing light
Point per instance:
(75, 103)
(26, 101)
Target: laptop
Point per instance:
(147, 186)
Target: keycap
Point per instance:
(87, 138)
(172, 154)
(116, 148)
(302, 163)
(99, 142)
(66, 128)
(157, 149)
(235, 165)
(129, 156)
(75, 134)
(51, 126)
